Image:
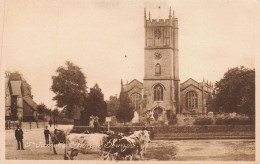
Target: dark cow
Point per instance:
(109, 149)
(131, 147)
(58, 136)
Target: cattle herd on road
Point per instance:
(108, 146)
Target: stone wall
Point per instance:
(176, 129)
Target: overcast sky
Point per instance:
(40, 35)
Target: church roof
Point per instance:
(190, 80)
(194, 83)
(134, 83)
(135, 80)
(30, 102)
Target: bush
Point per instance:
(138, 124)
(203, 121)
(237, 120)
(65, 121)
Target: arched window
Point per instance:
(191, 100)
(136, 99)
(158, 92)
(157, 69)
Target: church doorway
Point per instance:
(157, 112)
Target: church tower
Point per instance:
(161, 67)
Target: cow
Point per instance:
(84, 143)
(58, 136)
(109, 148)
(144, 139)
(131, 147)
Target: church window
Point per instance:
(157, 69)
(158, 93)
(191, 100)
(136, 99)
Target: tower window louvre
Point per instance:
(157, 69)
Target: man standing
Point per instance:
(19, 137)
(96, 125)
(50, 122)
(46, 135)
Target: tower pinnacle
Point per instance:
(170, 12)
(122, 88)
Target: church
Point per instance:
(161, 92)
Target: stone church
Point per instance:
(161, 92)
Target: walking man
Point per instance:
(46, 135)
(19, 137)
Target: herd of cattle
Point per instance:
(108, 146)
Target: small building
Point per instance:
(17, 105)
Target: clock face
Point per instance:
(157, 33)
(157, 55)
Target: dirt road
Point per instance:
(180, 150)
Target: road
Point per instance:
(178, 150)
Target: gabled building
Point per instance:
(195, 96)
(134, 90)
(17, 105)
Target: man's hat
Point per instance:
(17, 126)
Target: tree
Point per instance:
(70, 89)
(94, 105)
(125, 112)
(112, 105)
(235, 92)
(55, 115)
(43, 110)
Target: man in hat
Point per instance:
(19, 137)
(46, 135)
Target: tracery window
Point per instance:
(158, 92)
(191, 100)
(136, 99)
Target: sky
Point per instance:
(106, 39)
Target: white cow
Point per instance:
(143, 137)
(84, 143)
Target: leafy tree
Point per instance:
(112, 105)
(55, 115)
(125, 112)
(43, 110)
(235, 92)
(70, 89)
(94, 105)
